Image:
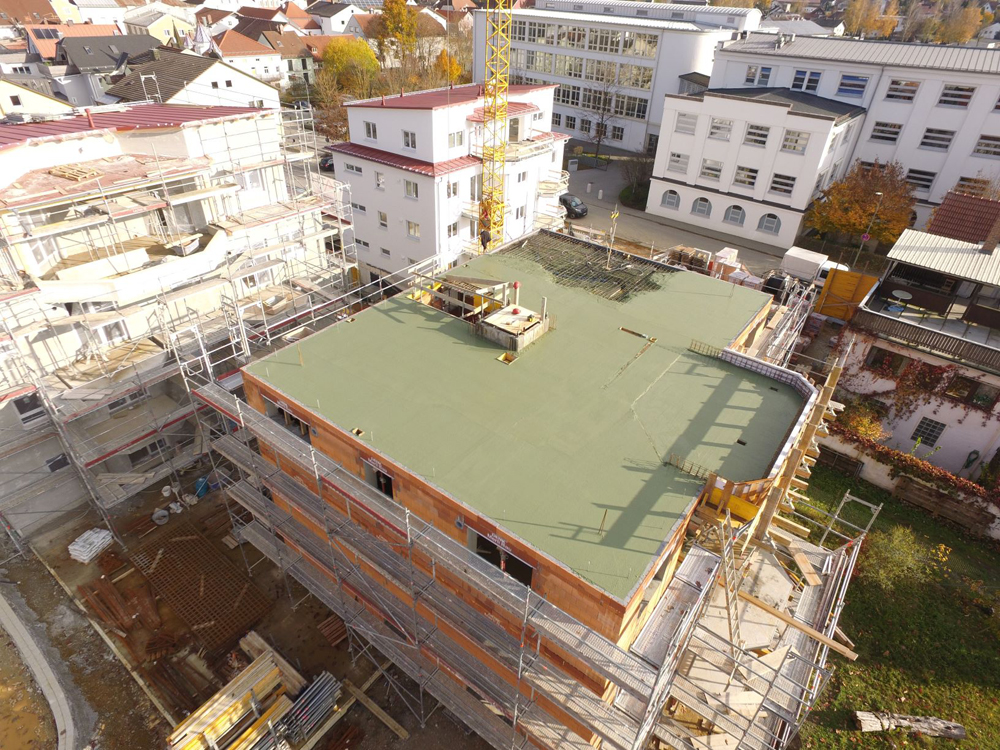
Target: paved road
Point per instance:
(646, 229)
(44, 676)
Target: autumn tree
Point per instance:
(395, 31)
(862, 18)
(351, 65)
(848, 205)
(329, 112)
(448, 67)
(958, 25)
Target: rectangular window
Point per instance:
(585, 126)
(363, 243)
(806, 80)
(452, 189)
(711, 169)
(745, 176)
(756, 135)
(453, 229)
(569, 66)
(383, 220)
(782, 183)
(522, 176)
(411, 189)
(617, 133)
(456, 139)
(57, 462)
(635, 76)
(147, 452)
(928, 432)
(29, 408)
(600, 70)
(360, 208)
(574, 37)
(570, 122)
(972, 392)
(886, 362)
(956, 96)
(678, 162)
(379, 181)
(853, 86)
(604, 40)
(409, 139)
(902, 91)
(937, 139)
(987, 145)
(568, 95)
(348, 167)
(720, 129)
(639, 45)
(519, 212)
(371, 132)
(556, 119)
(412, 229)
(385, 252)
(596, 100)
(795, 141)
(921, 180)
(886, 131)
(686, 123)
(972, 185)
(634, 107)
(757, 75)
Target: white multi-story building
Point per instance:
(932, 108)
(414, 165)
(747, 162)
(634, 52)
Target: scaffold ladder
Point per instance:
(730, 581)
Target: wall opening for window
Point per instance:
(378, 479)
(148, 452)
(284, 417)
(501, 558)
(29, 408)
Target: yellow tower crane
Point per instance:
(495, 134)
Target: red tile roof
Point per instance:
(439, 98)
(47, 47)
(27, 11)
(249, 11)
(138, 117)
(431, 169)
(233, 44)
(299, 18)
(513, 110)
(211, 16)
(968, 218)
(317, 43)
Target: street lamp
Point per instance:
(867, 235)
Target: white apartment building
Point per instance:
(133, 238)
(933, 108)
(747, 162)
(634, 52)
(414, 165)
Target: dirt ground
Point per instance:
(127, 719)
(25, 719)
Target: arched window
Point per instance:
(735, 215)
(670, 199)
(769, 223)
(701, 207)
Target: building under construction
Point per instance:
(133, 238)
(558, 488)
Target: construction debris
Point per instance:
(90, 544)
(108, 604)
(877, 721)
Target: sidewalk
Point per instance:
(646, 229)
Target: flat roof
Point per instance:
(798, 102)
(871, 52)
(582, 423)
(444, 97)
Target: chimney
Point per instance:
(90, 121)
(990, 243)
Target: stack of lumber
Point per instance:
(226, 719)
(333, 629)
(90, 544)
(107, 603)
(143, 605)
(253, 646)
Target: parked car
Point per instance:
(302, 104)
(326, 164)
(575, 208)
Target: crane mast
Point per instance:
(495, 133)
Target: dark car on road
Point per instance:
(575, 208)
(326, 163)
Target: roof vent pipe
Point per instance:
(90, 121)
(517, 292)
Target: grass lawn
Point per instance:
(923, 650)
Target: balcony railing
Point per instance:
(556, 183)
(519, 150)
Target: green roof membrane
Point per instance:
(581, 423)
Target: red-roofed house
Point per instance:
(413, 162)
(256, 59)
(965, 217)
(43, 39)
(298, 17)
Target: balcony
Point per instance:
(516, 151)
(556, 183)
(962, 326)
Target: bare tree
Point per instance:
(598, 103)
